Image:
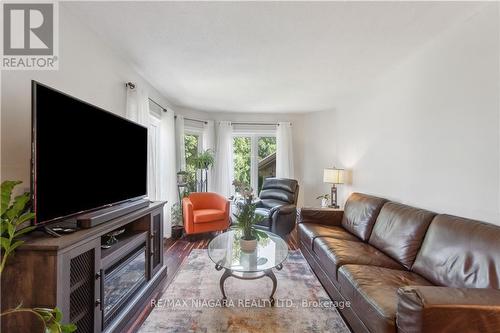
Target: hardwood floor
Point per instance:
(176, 251)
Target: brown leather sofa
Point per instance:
(404, 269)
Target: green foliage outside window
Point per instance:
(267, 146)
(191, 151)
(242, 156)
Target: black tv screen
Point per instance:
(84, 157)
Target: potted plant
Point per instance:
(177, 221)
(182, 177)
(14, 214)
(324, 199)
(246, 218)
(204, 160)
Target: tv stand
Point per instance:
(75, 274)
(49, 231)
(59, 229)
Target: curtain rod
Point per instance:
(234, 123)
(257, 124)
(132, 86)
(197, 120)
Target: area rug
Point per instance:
(192, 302)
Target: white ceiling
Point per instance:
(265, 56)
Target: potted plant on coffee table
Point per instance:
(246, 218)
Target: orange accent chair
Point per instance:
(205, 212)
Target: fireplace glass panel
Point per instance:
(121, 282)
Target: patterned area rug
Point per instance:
(192, 302)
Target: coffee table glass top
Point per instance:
(225, 251)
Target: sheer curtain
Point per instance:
(137, 110)
(209, 143)
(284, 151)
(162, 178)
(224, 159)
(167, 175)
(137, 106)
(180, 152)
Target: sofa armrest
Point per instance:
(283, 210)
(283, 219)
(221, 202)
(188, 216)
(441, 309)
(326, 216)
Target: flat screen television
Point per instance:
(83, 157)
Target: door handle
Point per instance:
(151, 244)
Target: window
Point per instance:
(254, 159)
(267, 159)
(191, 147)
(242, 158)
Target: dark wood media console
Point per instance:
(100, 290)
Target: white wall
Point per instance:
(319, 152)
(427, 133)
(88, 70)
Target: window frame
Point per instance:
(188, 130)
(254, 152)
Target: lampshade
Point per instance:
(333, 176)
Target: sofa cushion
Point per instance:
(400, 230)
(460, 253)
(282, 197)
(334, 253)
(282, 190)
(360, 213)
(372, 291)
(207, 215)
(309, 231)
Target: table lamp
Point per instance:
(333, 176)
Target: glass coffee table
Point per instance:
(226, 253)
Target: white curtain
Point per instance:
(224, 159)
(180, 152)
(162, 178)
(167, 175)
(137, 110)
(284, 151)
(209, 143)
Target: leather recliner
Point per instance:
(278, 205)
